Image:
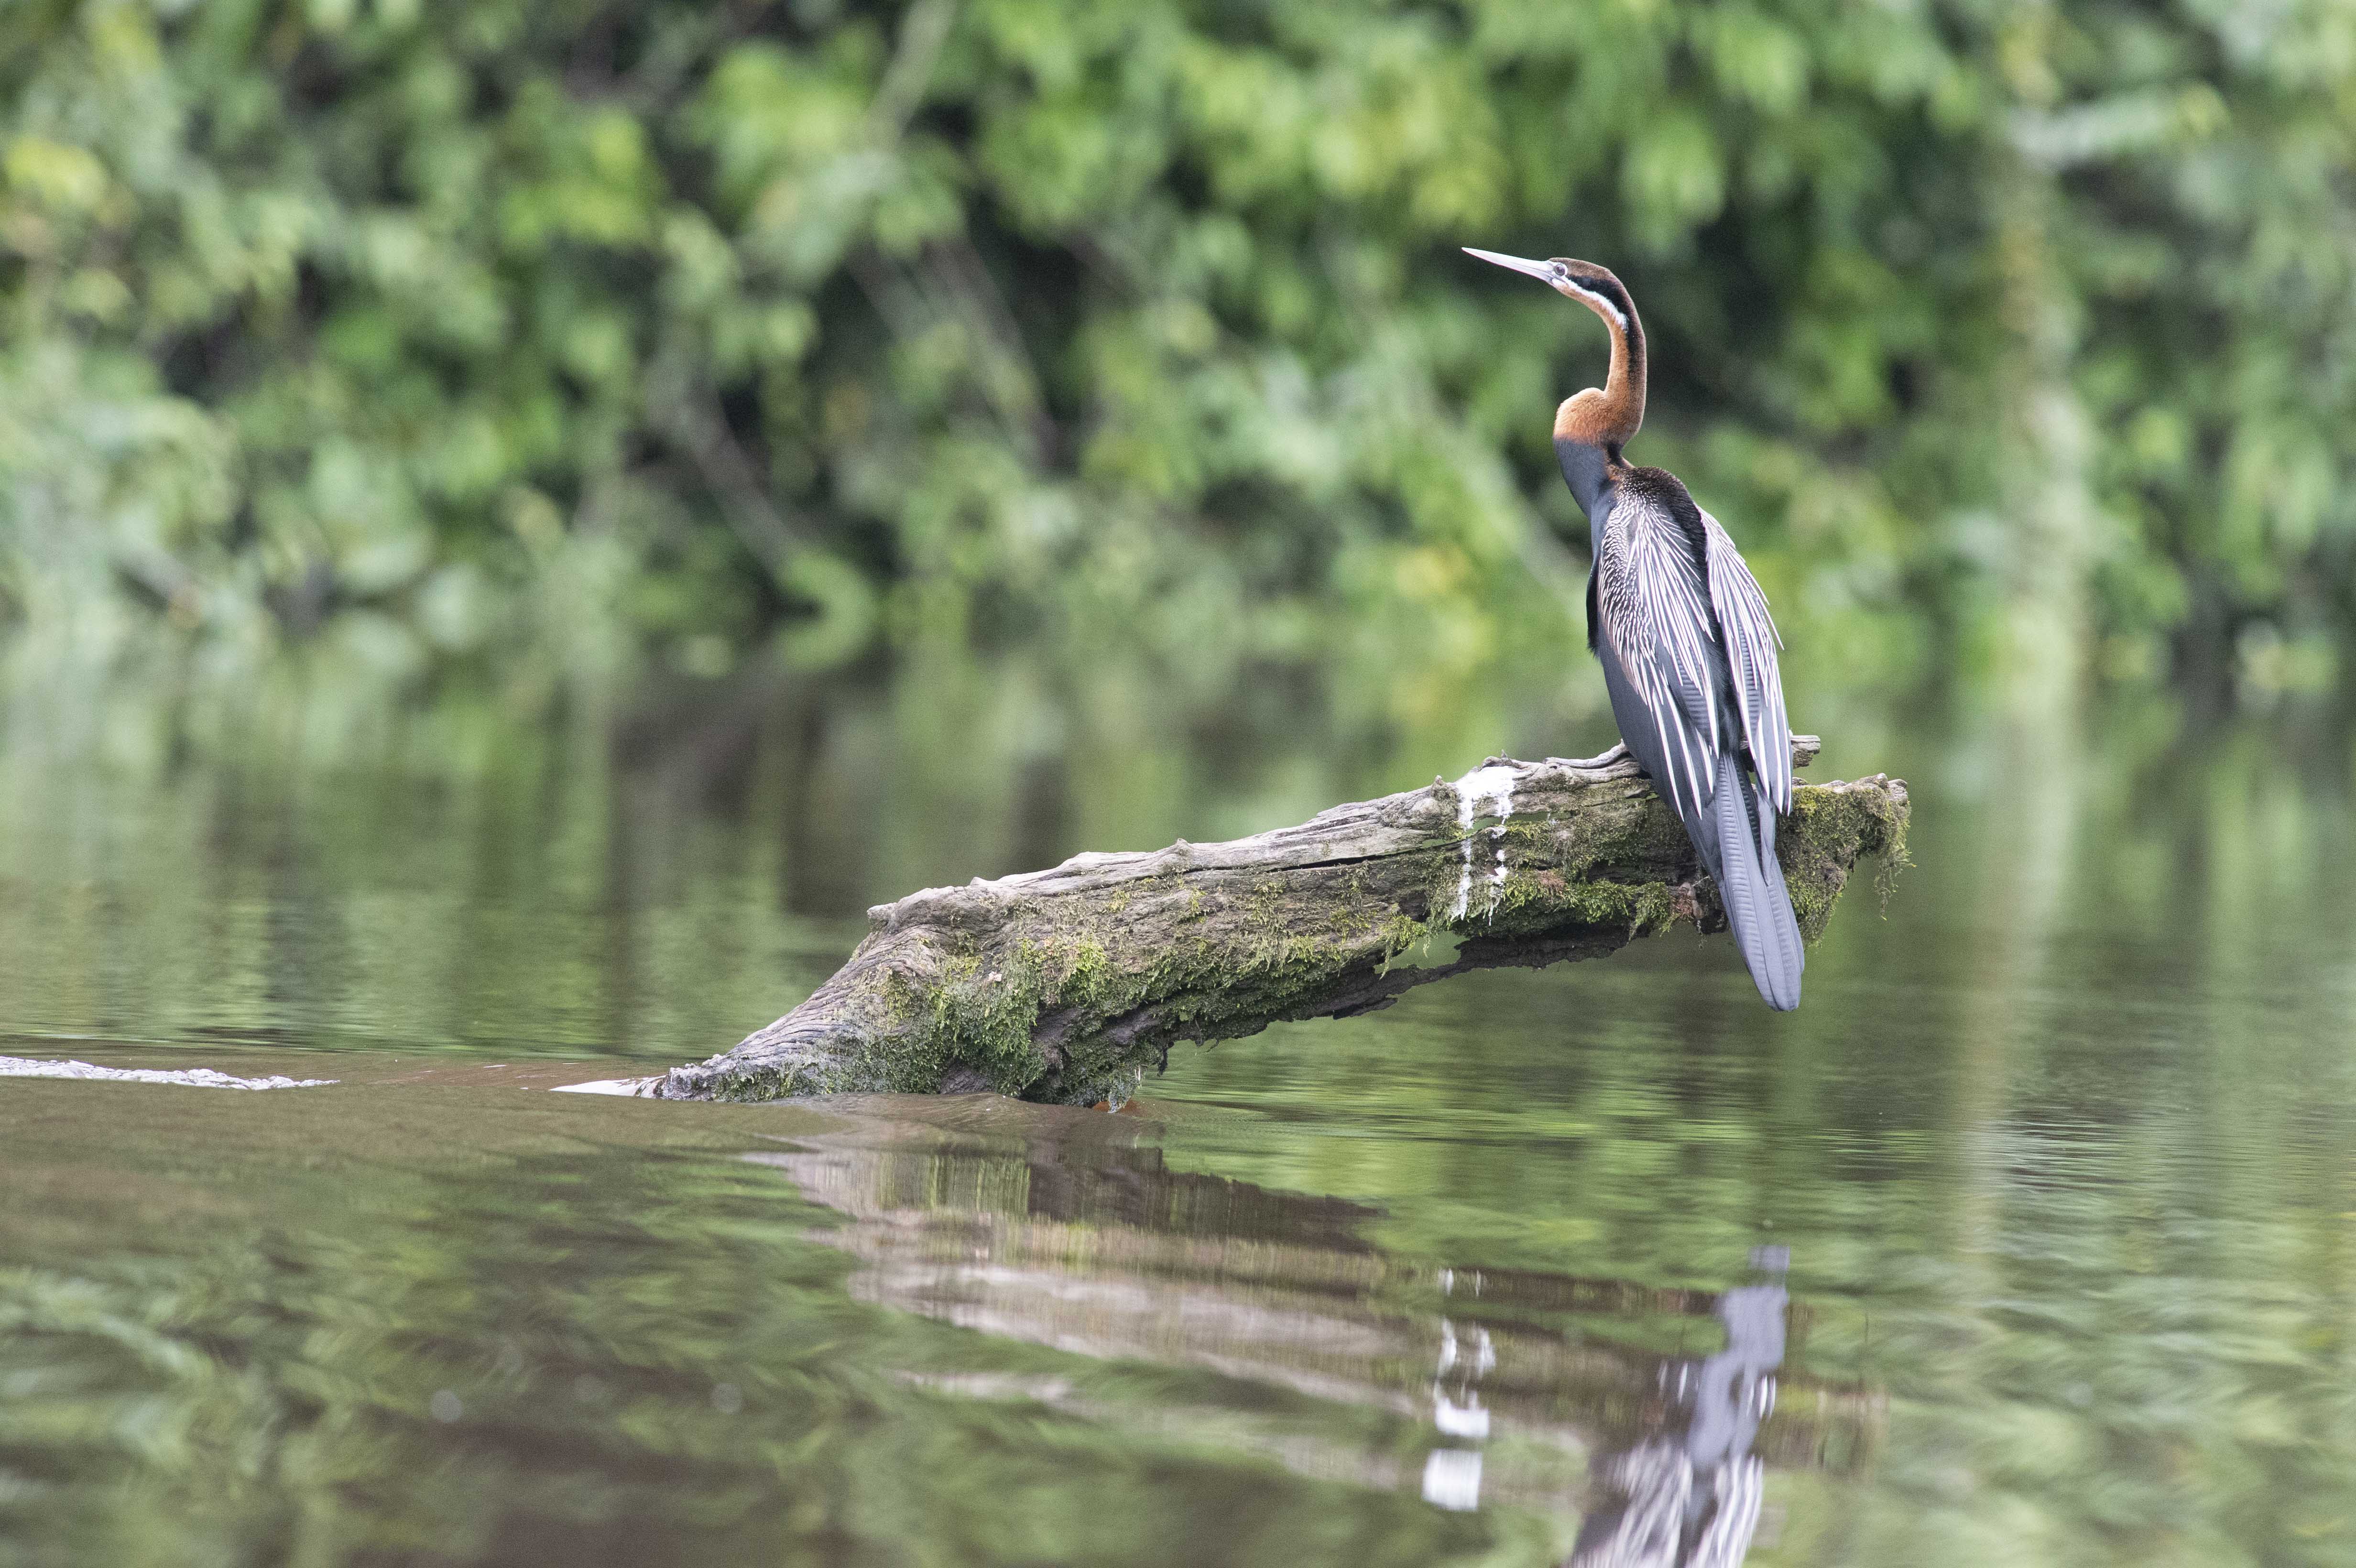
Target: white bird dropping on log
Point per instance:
(1483, 786)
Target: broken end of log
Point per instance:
(1068, 984)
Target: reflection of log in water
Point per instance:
(1089, 1244)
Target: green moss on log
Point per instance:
(1069, 985)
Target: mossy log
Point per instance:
(1065, 985)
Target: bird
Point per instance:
(1682, 629)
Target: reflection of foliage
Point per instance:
(626, 1356)
(435, 321)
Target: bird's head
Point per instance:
(1608, 416)
(1590, 285)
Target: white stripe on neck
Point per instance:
(1587, 293)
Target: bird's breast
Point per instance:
(1585, 468)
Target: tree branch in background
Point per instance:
(694, 418)
(1067, 985)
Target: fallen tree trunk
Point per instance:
(1066, 985)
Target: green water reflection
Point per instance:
(2054, 1167)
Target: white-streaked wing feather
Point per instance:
(1747, 633)
(1657, 608)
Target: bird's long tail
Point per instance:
(1751, 885)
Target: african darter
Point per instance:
(1685, 638)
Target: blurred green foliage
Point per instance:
(1994, 329)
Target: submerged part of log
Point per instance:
(1068, 984)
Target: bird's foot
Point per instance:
(1617, 761)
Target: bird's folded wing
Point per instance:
(1657, 613)
(1748, 634)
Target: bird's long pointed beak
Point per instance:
(1539, 270)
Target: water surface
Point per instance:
(2030, 1237)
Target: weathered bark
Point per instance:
(1066, 985)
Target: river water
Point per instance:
(2030, 1237)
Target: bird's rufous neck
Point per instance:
(1610, 418)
